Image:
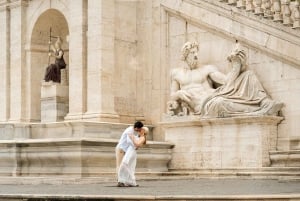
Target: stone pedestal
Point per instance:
(240, 142)
(72, 149)
(54, 102)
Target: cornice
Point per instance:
(18, 3)
(4, 5)
(11, 4)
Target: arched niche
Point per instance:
(37, 55)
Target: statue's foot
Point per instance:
(275, 108)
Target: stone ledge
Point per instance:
(169, 121)
(74, 157)
(295, 143)
(65, 129)
(83, 141)
(263, 197)
(285, 158)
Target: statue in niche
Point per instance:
(53, 70)
(192, 84)
(242, 94)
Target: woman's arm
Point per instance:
(137, 142)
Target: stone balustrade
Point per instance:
(281, 11)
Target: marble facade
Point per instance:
(214, 143)
(119, 55)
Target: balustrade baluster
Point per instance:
(287, 21)
(267, 12)
(241, 4)
(258, 9)
(277, 10)
(296, 15)
(249, 6)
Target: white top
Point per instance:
(125, 140)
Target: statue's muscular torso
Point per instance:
(194, 82)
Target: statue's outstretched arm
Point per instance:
(234, 73)
(218, 77)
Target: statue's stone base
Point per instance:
(240, 142)
(54, 102)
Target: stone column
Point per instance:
(4, 62)
(17, 60)
(100, 97)
(77, 58)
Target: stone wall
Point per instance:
(121, 52)
(216, 27)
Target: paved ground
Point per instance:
(185, 188)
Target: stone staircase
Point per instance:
(290, 158)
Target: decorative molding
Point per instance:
(18, 3)
(11, 4)
(271, 29)
(4, 5)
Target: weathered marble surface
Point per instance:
(72, 148)
(191, 84)
(54, 102)
(74, 157)
(195, 90)
(242, 93)
(212, 143)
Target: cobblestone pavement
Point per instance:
(182, 187)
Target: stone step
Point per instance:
(262, 173)
(293, 197)
(285, 158)
(295, 143)
(278, 173)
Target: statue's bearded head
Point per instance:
(190, 54)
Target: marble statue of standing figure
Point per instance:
(53, 70)
(192, 84)
(242, 94)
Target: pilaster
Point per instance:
(77, 59)
(4, 61)
(100, 59)
(17, 60)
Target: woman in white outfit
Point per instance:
(126, 174)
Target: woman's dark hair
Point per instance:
(138, 124)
